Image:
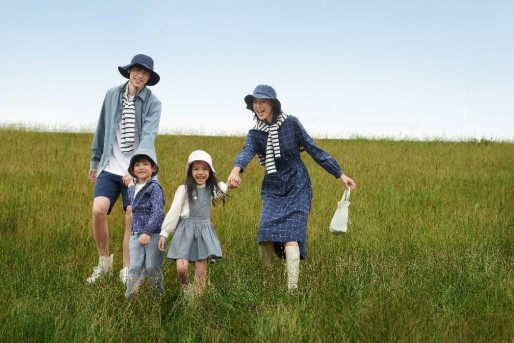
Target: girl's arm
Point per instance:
(173, 216)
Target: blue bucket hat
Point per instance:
(263, 92)
(142, 61)
(148, 153)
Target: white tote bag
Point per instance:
(339, 223)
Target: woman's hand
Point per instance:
(234, 181)
(349, 184)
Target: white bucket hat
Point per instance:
(199, 155)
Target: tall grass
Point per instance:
(429, 255)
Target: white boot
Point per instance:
(104, 267)
(124, 275)
(267, 253)
(293, 267)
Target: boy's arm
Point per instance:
(157, 200)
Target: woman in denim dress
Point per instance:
(278, 139)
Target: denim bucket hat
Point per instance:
(263, 92)
(145, 62)
(199, 155)
(146, 153)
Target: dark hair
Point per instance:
(141, 158)
(212, 183)
(276, 109)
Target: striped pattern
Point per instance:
(273, 144)
(128, 123)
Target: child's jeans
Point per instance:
(143, 260)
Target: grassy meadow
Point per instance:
(429, 256)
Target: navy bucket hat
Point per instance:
(145, 62)
(263, 92)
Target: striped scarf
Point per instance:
(128, 122)
(272, 145)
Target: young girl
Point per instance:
(194, 239)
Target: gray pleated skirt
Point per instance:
(194, 240)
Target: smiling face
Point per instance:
(200, 171)
(263, 109)
(143, 169)
(139, 76)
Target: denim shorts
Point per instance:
(110, 185)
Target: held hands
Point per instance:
(234, 181)
(162, 243)
(145, 238)
(349, 184)
(128, 180)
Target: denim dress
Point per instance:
(195, 238)
(287, 194)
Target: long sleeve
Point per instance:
(175, 211)
(324, 159)
(157, 200)
(248, 152)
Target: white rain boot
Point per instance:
(267, 253)
(124, 275)
(293, 267)
(104, 267)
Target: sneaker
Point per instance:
(104, 267)
(124, 275)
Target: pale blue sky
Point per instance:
(419, 69)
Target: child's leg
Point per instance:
(137, 261)
(153, 264)
(292, 251)
(183, 277)
(200, 276)
(183, 272)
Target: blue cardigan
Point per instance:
(147, 208)
(148, 115)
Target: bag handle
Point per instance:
(346, 195)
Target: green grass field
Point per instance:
(429, 256)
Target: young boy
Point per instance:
(147, 200)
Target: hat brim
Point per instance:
(152, 81)
(132, 162)
(249, 103)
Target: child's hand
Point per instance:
(145, 238)
(162, 243)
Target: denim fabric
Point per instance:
(111, 186)
(147, 208)
(145, 260)
(148, 115)
(287, 194)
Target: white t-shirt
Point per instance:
(118, 161)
